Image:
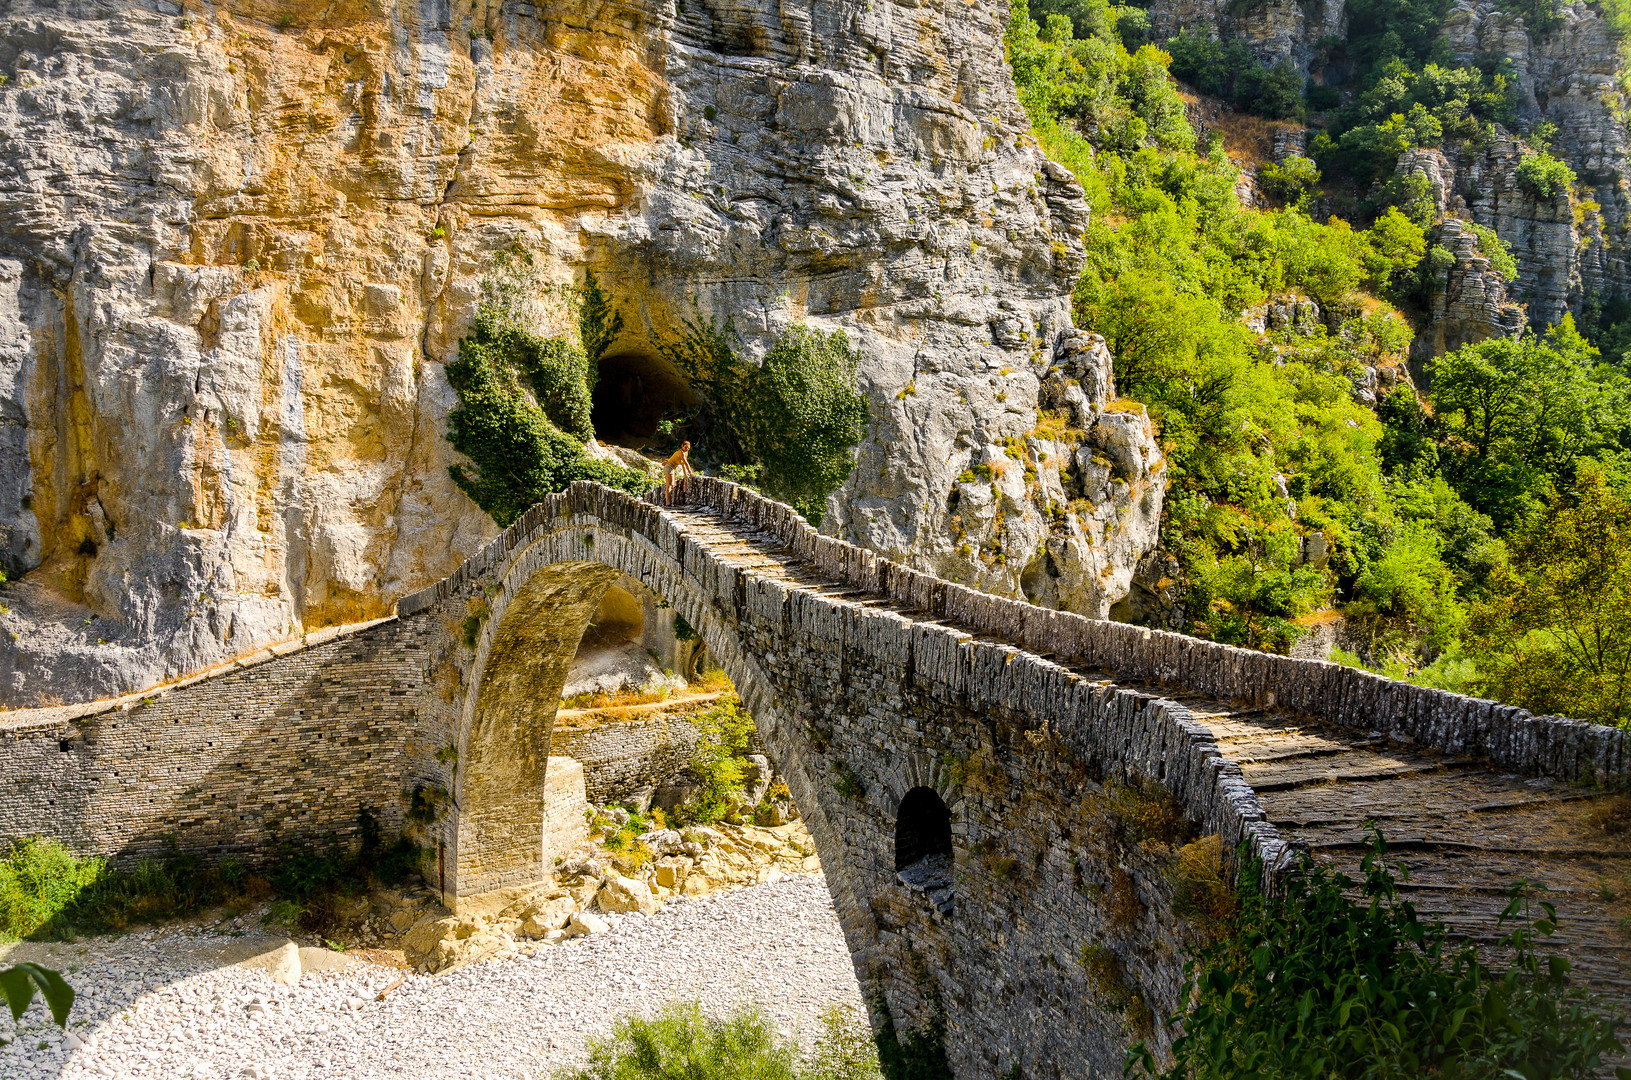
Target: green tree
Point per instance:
(1556, 636)
(1519, 414)
(807, 416)
(1396, 244)
(1290, 181)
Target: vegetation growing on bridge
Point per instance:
(1431, 508)
(1307, 982)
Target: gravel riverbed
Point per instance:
(152, 1004)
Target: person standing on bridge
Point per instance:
(679, 460)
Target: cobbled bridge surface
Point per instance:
(979, 774)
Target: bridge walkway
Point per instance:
(1465, 831)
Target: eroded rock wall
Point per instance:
(239, 241)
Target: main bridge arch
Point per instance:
(529, 613)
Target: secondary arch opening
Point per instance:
(922, 828)
(635, 392)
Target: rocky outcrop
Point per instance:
(1571, 249)
(1069, 501)
(238, 243)
(1469, 301)
(1276, 30)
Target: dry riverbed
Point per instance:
(179, 1002)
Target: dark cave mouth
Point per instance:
(634, 393)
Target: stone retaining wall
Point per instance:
(624, 759)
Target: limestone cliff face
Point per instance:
(1571, 250)
(238, 241)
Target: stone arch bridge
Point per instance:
(994, 788)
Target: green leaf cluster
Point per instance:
(723, 735)
(1313, 983)
(683, 1043)
(792, 423)
(1544, 177)
(1555, 635)
(524, 411)
(18, 983)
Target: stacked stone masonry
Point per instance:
(866, 680)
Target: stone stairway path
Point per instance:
(1465, 831)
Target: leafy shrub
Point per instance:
(1410, 583)
(1312, 983)
(1544, 176)
(806, 417)
(524, 410)
(1290, 181)
(1496, 251)
(682, 1043)
(795, 419)
(724, 733)
(47, 892)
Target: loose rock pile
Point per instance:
(595, 881)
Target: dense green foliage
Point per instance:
(1266, 440)
(524, 399)
(682, 1043)
(1555, 635)
(1230, 71)
(1310, 983)
(1516, 417)
(791, 424)
(48, 892)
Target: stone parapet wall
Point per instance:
(1510, 737)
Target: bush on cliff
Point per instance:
(524, 411)
(792, 422)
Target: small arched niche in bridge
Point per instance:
(922, 828)
(923, 856)
(637, 388)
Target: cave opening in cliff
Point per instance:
(637, 391)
